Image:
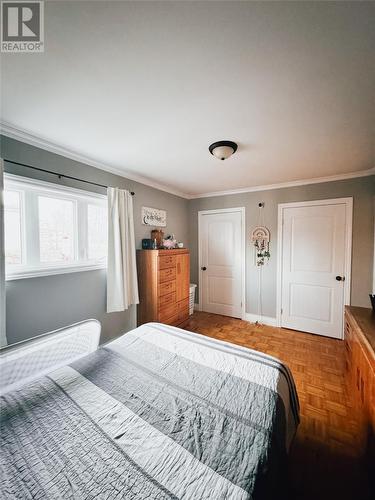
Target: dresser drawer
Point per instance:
(166, 261)
(183, 309)
(166, 312)
(167, 287)
(173, 321)
(168, 274)
(166, 300)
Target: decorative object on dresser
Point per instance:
(147, 243)
(157, 236)
(163, 280)
(154, 217)
(169, 242)
(360, 368)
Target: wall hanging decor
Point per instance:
(154, 217)
(261, 239)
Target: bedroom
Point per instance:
(131, 96)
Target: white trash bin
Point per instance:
(192, 298)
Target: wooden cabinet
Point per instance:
(163, 281)
(360, 373)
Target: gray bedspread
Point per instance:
(158, 413)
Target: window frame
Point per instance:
(22, 224)
(30, 228)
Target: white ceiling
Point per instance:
(144, 88)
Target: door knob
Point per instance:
(340, 278)
(203, 268)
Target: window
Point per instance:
(12, 221)
(51, 229)
(56, 229)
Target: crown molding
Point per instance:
(14, 132)
(33, 140)
(280, 185)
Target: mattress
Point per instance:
(158, 413)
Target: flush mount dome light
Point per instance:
(223, 149)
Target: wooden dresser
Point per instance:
(163, 282)
(360, 367)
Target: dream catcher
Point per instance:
(261, 240)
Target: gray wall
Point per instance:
(361, 189)
(38, 305)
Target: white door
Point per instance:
(313, 268)
(221, 259)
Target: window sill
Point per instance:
(45, 271)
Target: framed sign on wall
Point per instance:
(154, 217)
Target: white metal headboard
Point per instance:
(23, 362)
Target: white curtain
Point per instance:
(3, 337)
(122, 284)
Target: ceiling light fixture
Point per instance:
(223, 149)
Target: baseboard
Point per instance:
(251, 318)
(265, 320)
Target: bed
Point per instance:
(158, 413)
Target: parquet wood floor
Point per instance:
(325, 458)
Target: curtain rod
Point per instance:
(59, 175)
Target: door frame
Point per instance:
(348, 203)
(242, 211)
